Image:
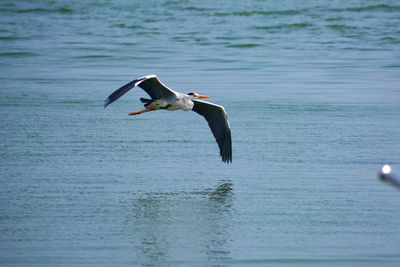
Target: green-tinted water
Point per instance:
(311, 89)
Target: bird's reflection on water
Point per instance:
(222, 192)
(181, 226)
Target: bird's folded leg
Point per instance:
(142, 111)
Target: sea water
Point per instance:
(312, 92)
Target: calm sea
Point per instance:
(312, 91)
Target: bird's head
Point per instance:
(197, 96)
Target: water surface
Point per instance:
(312, 93)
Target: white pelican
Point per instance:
(164, 98)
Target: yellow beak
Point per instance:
(203, 96)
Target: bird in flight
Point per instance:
(163, 97)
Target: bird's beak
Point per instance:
(203, 96)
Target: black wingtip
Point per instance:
(226, 151)
(106, 102)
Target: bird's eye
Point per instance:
(191, 94)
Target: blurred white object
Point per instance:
(387, 176)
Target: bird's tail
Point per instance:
(145, 100)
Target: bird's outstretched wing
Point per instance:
(150, 83)
(218, 122)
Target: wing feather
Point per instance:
(156, 89)
(219, 125)
(150, 83)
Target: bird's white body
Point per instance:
(180, 102)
